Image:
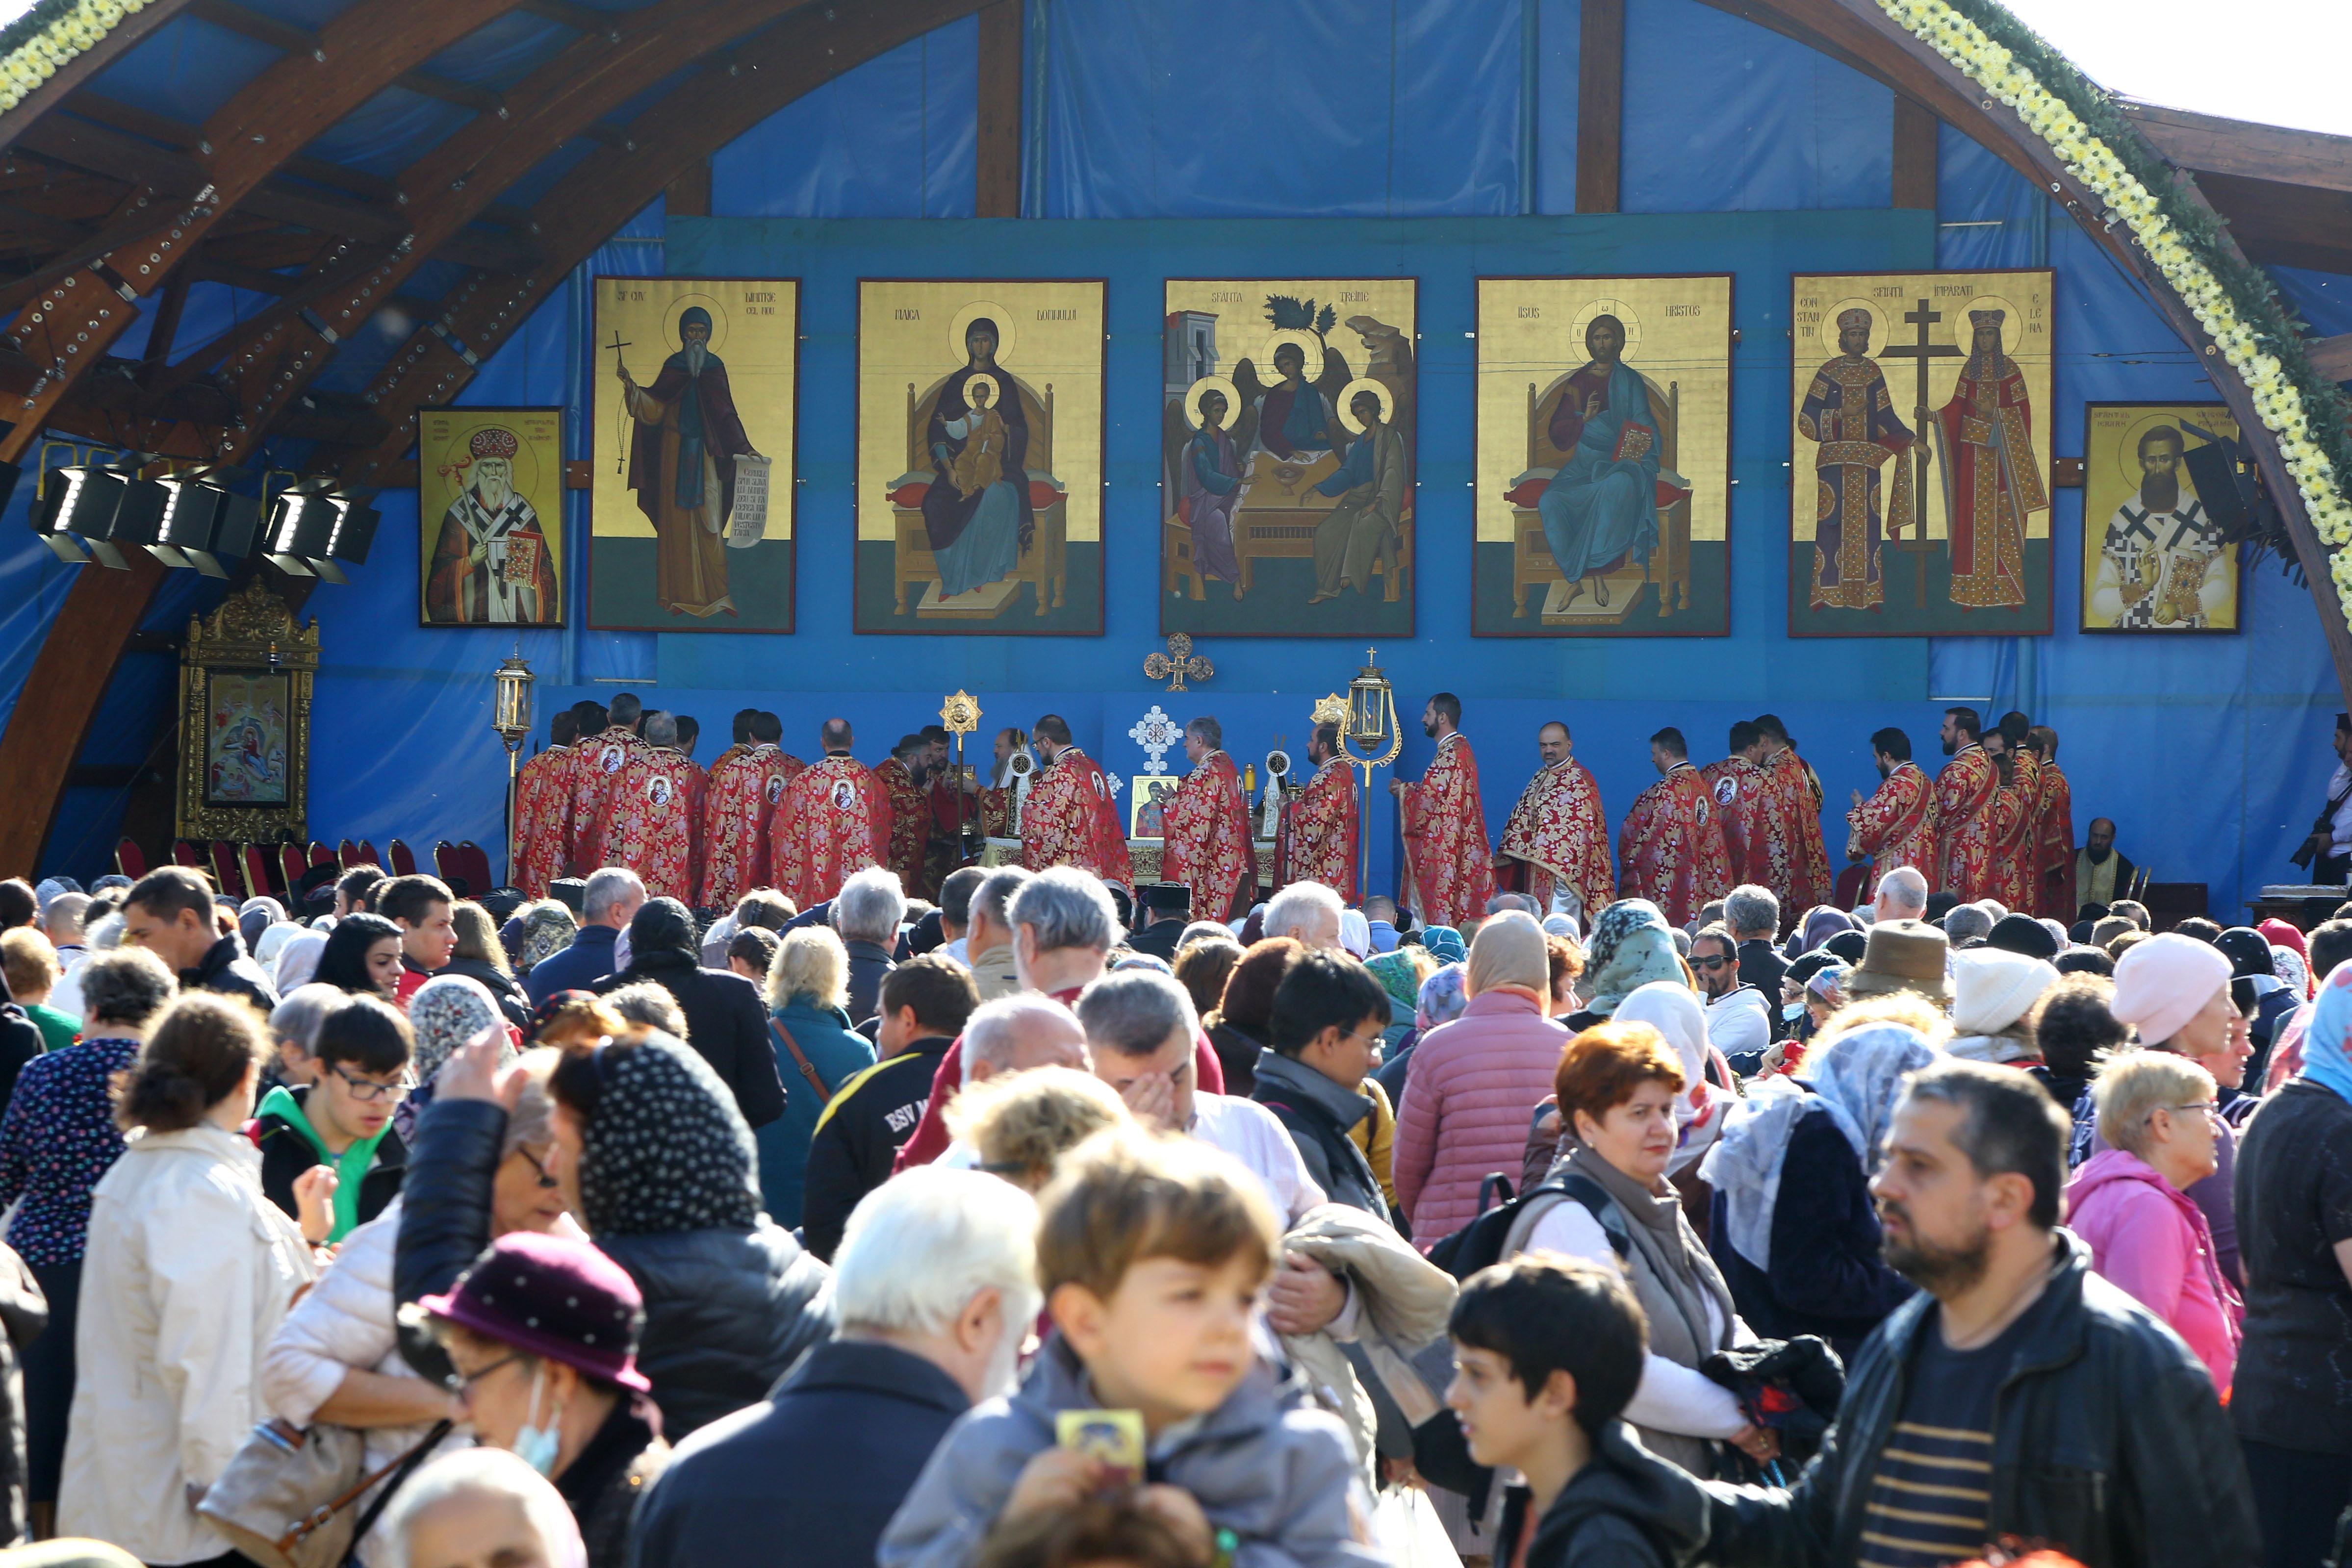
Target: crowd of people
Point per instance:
(1044, 1225)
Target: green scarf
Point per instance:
(349, 1167)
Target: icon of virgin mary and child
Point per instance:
(978, 514)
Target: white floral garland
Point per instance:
(2090, 159)
(34, 61)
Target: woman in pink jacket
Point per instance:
(2157, 1112)
(1473, 1083)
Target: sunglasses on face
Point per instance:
(1713, 964)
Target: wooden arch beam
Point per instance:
(803, 52)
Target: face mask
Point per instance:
(534, 1445)
(1792, 1011)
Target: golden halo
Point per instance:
(1882, 331)
(2128, 443)
(1309, 344)
(1348, 396)
(2012, 322)
(1005, 333)
(458, 457)
(676, 307)
(1211, 383)
(995, 390)
(1617, 307)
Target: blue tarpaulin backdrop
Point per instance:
(2209, 752)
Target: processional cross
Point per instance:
(616, 346)
(1180, 662)
(1919, 351)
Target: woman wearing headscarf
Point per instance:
(2284, 934)
(274, 941)
(1444, 944)
(1439, 1001)
(2265, 998)
(1631, 946)
(726, 1016)
(658, 1162)
(298, 961)
(2176, 991)
(447, 1012)
(2293, 1417)
(546, 929)
(1821, 923)
(1473, 1081)
(1795, 1232)
(255, 916)
(1401, 978)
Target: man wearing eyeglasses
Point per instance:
(329, 1156)
(1738, 1017)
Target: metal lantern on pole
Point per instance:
(511, 716)
(959, 716)
(1372, 740)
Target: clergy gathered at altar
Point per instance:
(618, 786)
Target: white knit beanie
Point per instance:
(2161, 983)
(1993, 988)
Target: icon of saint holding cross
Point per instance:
(1849, 412)
(1993, 478)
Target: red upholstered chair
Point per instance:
(227, 875)
(321, 856)
(256, 871)
(367, 853)
(473, 865)
(446, 864)
(403, 859)
(186, 852)
(129, 859)
(293, 861)
(1849, 884)
(347, 855)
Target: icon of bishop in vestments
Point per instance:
(1848, 411)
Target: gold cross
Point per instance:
(1178, 661)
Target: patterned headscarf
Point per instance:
(446, 1012)
(1631, 945)
(548, 929)
(1444, 944)
(1442, 997)
(2292, 971)
(1394, 972)
(1860, 1075)
(665, 1149)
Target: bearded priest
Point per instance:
(1671, 845)
(1321, 821)
(1451, 872)
(1070, 818)
(1207, 828)
(1560, 834)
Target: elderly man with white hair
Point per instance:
(479, 1506)
(935, 1287)
(1902, 895)
(866, 914)
(1308, 911)
(608, 903)
(988, 935)
(1752, 913)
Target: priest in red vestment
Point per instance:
(996, 801)
(655, 826)
(1559, 833)
(1449, 871)
(1966, 793)
(901, 776)
(1670, 849)
(831, 822)
(1206, 830)
(1070, 817)
(1319, 824)
(2020, 816)
(1801, 857)
(542, 809)
(1740, 788)
(1896, 826)
(2054, 833)
(594, 770)
(745, 785)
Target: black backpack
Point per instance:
(1481, 1243)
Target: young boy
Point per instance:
(1152, 1252)
(1547, 1351)
(343, 1121)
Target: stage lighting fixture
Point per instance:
(353, 530)
(301, 521)
(75, 507)
(201, 521)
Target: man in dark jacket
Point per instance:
(924, 1003)
(1753, 917)
(1167, 907)
(1328, 1012)
(866, 913)
(170, 912)
(2025, 1394)
(611, 900)
(934, 1286)
(726, 1021)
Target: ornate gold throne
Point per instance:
(1531, 561)
(1044, 564)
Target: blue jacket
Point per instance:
(838, 1054)
(578, 968)
(823, 1463)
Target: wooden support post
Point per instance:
(1600, 106)
(997, 167)
(1915, 154)
(688, 196)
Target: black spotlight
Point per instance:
(348, 540)
(301, 521)
(202, 520)
(75, 507)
